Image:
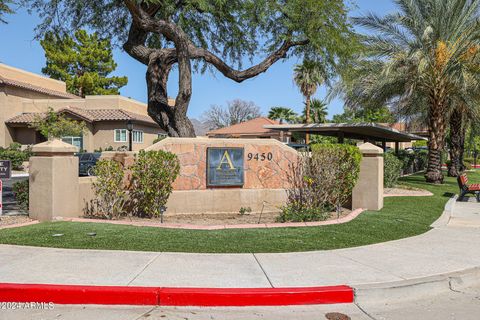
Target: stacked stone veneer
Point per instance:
(192, 154)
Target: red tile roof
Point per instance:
(88, 115)
(31, 87)
(251, 127)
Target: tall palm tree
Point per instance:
(318, 111)
(309, 76)
(419, 58)
(465, 111)
(282, 114)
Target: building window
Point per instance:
(120, 135)
(76, 141)
(137, 136)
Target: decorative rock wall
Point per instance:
(266, 161)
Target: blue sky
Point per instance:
(273, 88)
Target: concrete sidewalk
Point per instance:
(453, 246)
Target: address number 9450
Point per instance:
(260, 156)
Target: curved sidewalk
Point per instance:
(453, 246)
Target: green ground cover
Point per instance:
(401, 217)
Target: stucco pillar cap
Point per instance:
(54, 147)
(368, 148)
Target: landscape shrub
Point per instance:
(321, 182)
(468, 165)
(109, 189)
(153, 174)
(15, 155)
(20, 192)
(293, 213)
(54, 125)
(392, 170)
(158, 139)
(413, 162)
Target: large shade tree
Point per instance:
(203, 34)
(419, 57)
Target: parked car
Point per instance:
(87, 161)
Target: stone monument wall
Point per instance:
(265, 161)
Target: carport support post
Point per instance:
(53, 180)
(340, 137)
(368, 192)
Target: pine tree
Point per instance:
(83, 61)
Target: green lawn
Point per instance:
(401, 217)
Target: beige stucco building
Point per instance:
(23, 95)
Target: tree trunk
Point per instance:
(307, 120)
(436, 122)
(463, 133)
(456, 143)
(172, 119)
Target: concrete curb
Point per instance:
(417, 288)
(159, 296)
(444, 219)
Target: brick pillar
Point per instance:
(368, 192)
(53, 181)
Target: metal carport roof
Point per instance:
(359, 131)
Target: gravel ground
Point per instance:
(224, 218)
(406, 192)
(9, 220)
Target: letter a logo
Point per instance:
(226, 159)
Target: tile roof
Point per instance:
(88, 115)
(24, 85)
(251, 127)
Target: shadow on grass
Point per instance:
(448, 194)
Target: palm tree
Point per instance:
(420, 56)
(466, 105)
(308, 76)
(318, 111)
(282, 114)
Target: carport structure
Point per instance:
(368, 132)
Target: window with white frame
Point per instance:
(76, 141)
(120, 135)
(137, 136)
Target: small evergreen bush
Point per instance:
(109, 189)
(392, 170)
(15, 155)
(153, 174)
(20, 192)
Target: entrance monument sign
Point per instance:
(225, 167)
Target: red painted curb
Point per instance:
(73, 294)
(202, 297)
(255, 296)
